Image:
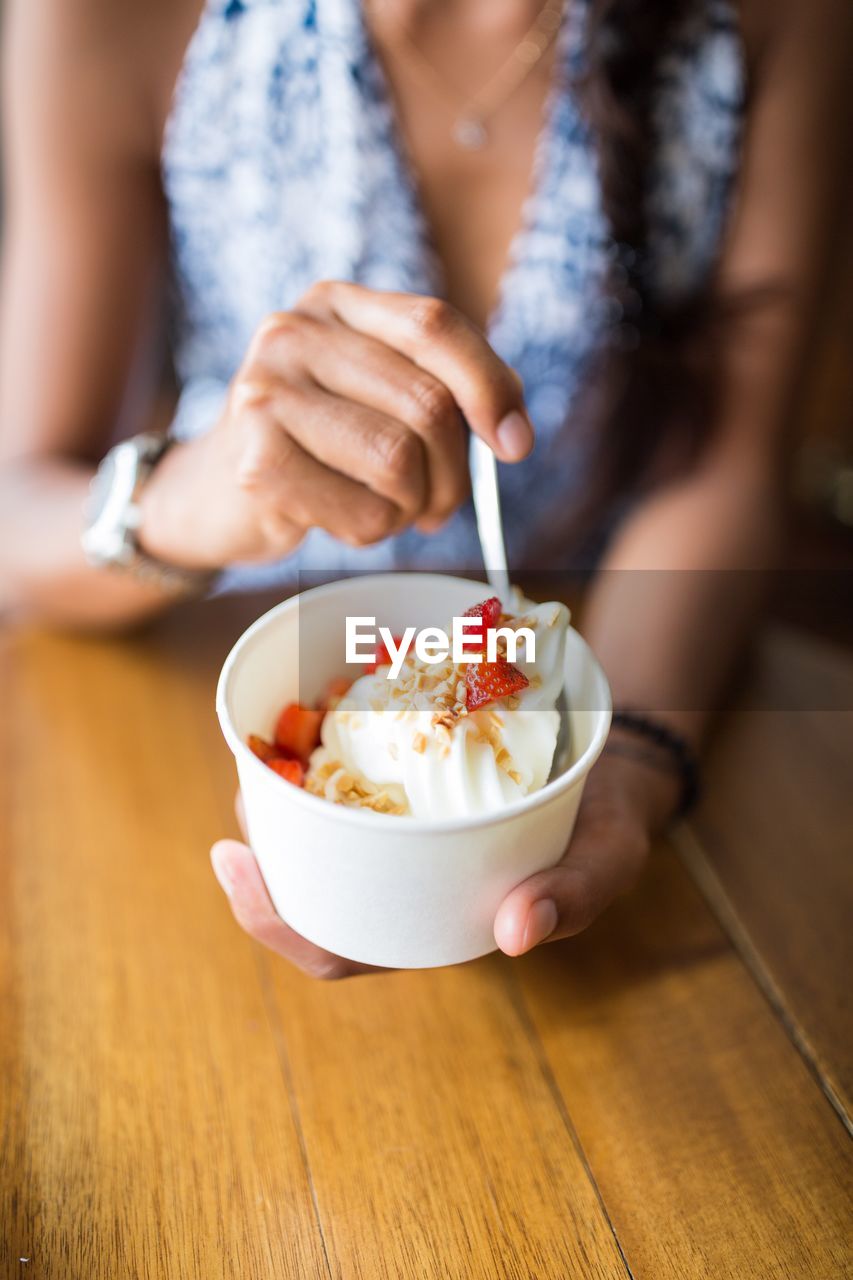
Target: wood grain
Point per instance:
(146, 1131)
(712, 1146)
(174, 1102)
(773, 842)
(426, 1084)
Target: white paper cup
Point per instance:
(377, 888)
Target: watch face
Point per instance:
(100, 488)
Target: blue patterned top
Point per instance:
(282, 166)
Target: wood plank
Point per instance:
(146, 1128)
(714, 1149)
(436, 1145)
(174, 1102)
(773, 842)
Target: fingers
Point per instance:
(366, 375)
(370, 447)
(297, 489)
(439, 340)
(238, 874)
(348, 415)
(602, 861)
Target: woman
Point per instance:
(574, 229)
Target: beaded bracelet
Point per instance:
(682, 756)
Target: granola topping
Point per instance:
(439, 738)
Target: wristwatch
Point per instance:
(112, 517)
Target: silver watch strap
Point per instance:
(167, 577)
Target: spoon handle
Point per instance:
(487, 507)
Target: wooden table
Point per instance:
(667, 1096)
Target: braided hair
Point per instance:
(647, 401)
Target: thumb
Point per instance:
(600, 863)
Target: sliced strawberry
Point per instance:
(487, 681)
(290, 770)
(262, 749)
(297, 732)
(489, 611)
(382, 657)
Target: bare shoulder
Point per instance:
(109, 64)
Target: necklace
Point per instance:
(470, 128)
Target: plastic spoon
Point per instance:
(487, 507)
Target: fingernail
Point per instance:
(515, 436)
(541, 923)
(222, 869)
